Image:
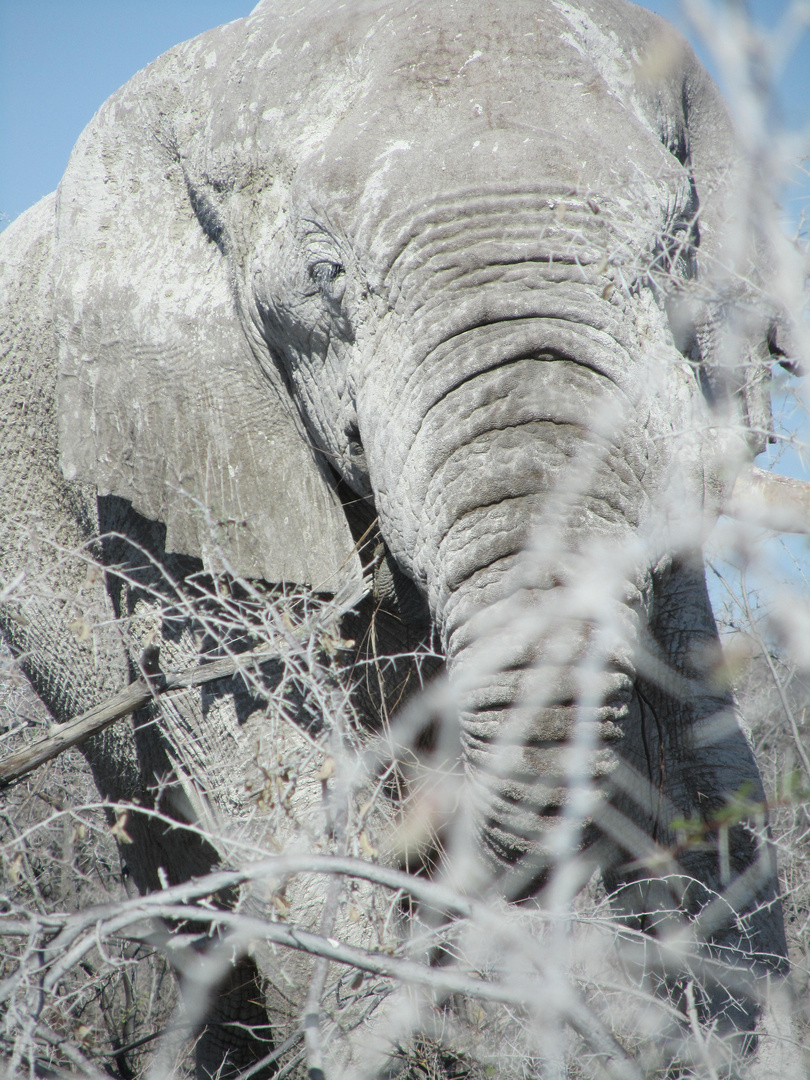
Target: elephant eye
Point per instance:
(324, 273)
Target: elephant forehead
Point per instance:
(364, 175)
(369, 94)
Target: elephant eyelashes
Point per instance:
(325, 274)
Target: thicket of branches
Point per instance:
(440, 984)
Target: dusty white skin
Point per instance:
(450, 253)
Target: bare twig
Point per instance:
(697, 1034)
(616, 1063)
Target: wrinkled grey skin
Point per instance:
(447, 252)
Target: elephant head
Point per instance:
(477, 264)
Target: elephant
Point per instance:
(482, 277)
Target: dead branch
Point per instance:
(63, 736)
(780, 503)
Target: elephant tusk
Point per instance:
(775, 502)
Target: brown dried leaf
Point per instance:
(326, 770)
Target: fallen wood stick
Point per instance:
(73, 732)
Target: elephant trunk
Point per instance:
(546, 681)
(517, 502)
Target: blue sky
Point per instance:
(60, 59)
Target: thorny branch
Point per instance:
(80, 933)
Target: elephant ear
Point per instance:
(159, 399)
(738, 327)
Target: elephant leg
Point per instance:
(689, 761)
(237, 1035)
